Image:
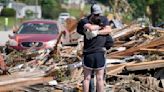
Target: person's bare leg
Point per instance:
(87, 78)
(100, 80)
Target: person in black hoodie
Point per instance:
(95, 43)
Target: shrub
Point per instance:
(51, 8)
(29, 14)
(8, 12)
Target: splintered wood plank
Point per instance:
(145, 65)
(127, 32)
(2, 63)
(154, 50)
(22, 75)
(58, 90)
(161, 31)
(118, 68)
(130, 43)
(22, 82)
(148, 44)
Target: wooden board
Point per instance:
(118, 68)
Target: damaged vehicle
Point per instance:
(36, 34)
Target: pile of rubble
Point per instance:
(134, 64)
(138, 56)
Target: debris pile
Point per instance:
(134, 64)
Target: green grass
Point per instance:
(76, 11)
(11, 22)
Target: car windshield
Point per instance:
(39, 28)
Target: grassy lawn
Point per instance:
(76, 11)
(11, 22)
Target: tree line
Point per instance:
(153, 9)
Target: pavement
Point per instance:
(4, 37)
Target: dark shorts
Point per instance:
(94, 61)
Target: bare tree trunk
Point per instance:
(154, 16)
(152, 12)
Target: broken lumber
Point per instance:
(9, 85)
(139, 83)
(2, 63)
(116, 69)
(148, 44)
(145, 65)
(154, 50)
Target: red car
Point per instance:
(39, 34)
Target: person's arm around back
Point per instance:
(106, 30)
(91, 27)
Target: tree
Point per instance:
(156, 11)
(2, 1)
(8, 12)
(51, 8)
(29, 2)
(121, 10)
(151, 8)
(5, 2)
(29, 13)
